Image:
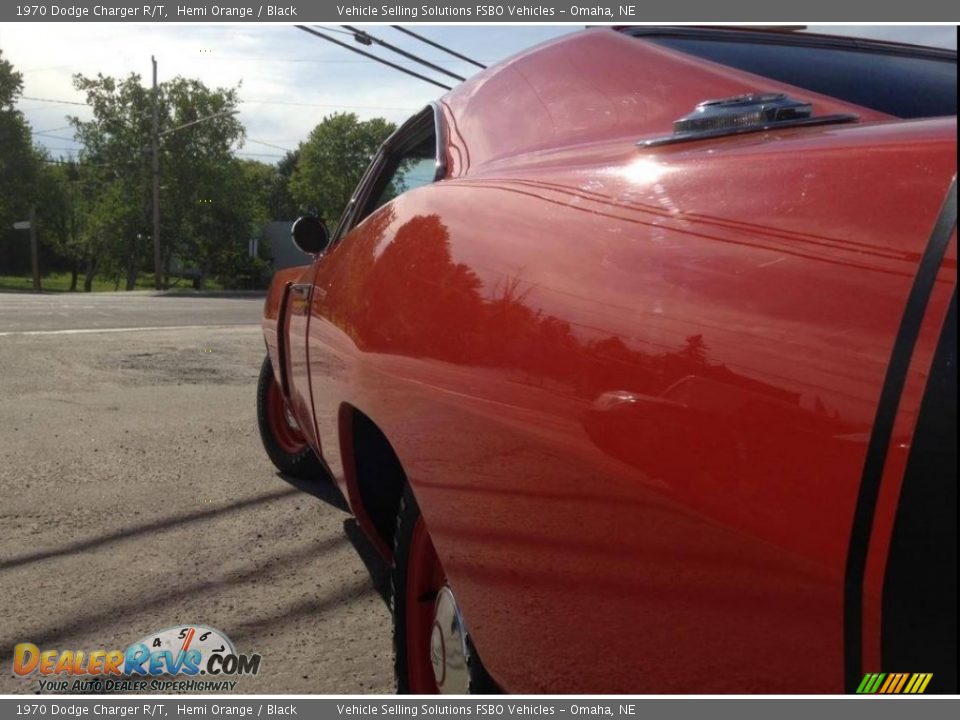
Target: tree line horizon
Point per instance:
(94, 210)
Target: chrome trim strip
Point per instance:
(440, 133)
(782, 124)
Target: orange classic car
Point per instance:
(635, 358)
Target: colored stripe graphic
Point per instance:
(894, 683)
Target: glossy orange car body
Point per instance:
(633, 389)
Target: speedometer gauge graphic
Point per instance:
(180, 649)
(183, 638)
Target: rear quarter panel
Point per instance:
(744, 294)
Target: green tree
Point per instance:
(195, 161)
(200, 225)
(115, 144)
(19, 165)
(62, 215)
(115, 234)
(260, 182)
(333, 160)
(236, 212)
(254, 187)
(280, 202)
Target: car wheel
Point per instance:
(282, 438)
(433, 652)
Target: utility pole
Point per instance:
(34, 259)
(156, 178)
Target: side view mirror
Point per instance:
(310, 234)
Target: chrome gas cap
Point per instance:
(448, 645)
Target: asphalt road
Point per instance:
(135, 496)
(27, 313)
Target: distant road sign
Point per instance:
(22, 225)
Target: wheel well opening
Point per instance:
(379, 476)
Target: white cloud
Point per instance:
(289, 79)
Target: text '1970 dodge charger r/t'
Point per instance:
(635, 357)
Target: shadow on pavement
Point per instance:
(284, 564)
(325, 489)
(147, 528)
(378, 568)
(322, 488)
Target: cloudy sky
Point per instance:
(289, 79)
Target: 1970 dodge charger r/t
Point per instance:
(635, 357)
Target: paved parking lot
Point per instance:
(135, 495)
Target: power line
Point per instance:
(48, 100)
(372, 57)
(266, 102)
(261, 142)
(366, 38)
(250, 154)
(437, 45)
(335, 30)
(50, 130)
(55, 137)
(86, 163)
(312, 61)
(328, 105)
(270, 58)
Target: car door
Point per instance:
(410, 158)
(297, 319)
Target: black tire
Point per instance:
(407, 516)
(299, 462)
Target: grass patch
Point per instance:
(60, 282)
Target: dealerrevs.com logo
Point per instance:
(203, 654)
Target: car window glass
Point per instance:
(897, 84)
(412, 169)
